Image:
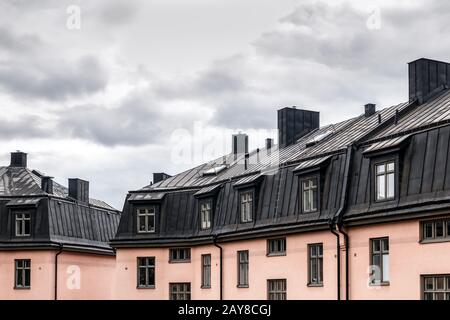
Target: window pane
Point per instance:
(380, 168)
(439, 229)
(385, 243)
(390, 185)
(440, 283)
(429, 284)
(448, 228)
(439, 296)
(141, 223)
(314, 200)
(385, 267)
(391, 166)
(428, 296)
(376, 246)
(380, 187)
(428, 230)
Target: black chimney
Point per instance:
(79, 190)
(18, 159)
(47, 184)
(369, 109)
(294, 123)
(239, 144)
(425, 76)
(160, 176)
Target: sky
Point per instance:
(112, 91)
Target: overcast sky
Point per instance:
(110, 101)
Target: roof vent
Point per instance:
(239, 144)
(269, 143)
(369, 109)
(18, 159)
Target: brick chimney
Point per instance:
(79, 190)
(18, 159)
(294, 123)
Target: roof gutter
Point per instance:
(336, 222)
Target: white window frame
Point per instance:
(309, 187)
(205, 215)
(21, 219)
(148, 214)
(382, 180)
(246, 206)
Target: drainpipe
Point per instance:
(220, 266)
(56, 269)
(337, 221)
(347, 248)
(338, 256)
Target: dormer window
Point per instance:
(23, 224)
(205, 215)
(385, 181)
(146, 220)
(310, 191)
(246, 202)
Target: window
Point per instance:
(436, 230)
(243, 269)
(246, 206)
(205, 215)
(315, 264)
(276, 247)
(206, 271)
(436, 287)
(309, 195)
(146, 220)
(180, 255)
(180, 291)
(379, 261)
(23, 224)
(146, 272)
(385, 181)
(276, 289)
(23, 274)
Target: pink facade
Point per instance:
(80, 275)
(292, 266)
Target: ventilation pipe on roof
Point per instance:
(239, 144)
(247, 156)
(379, 118)
(369, 109)
(269, 143)
(47, 184)
(396, 116)
(18, 159)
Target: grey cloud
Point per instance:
(52, 80)
(18, 43)
(26, 126)
(118, 12)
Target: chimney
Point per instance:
(239, 144)
(369, 109)
(269, 143)
(160, 176)
(18, 159)
(294, 123)
(79, 190)
(47, 184)
(425, 76)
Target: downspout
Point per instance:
(337, 221)
(220, 266)
(338, 256)
(56, 269)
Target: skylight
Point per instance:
(319, 138)
(214, 170)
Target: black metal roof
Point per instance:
(56, 218)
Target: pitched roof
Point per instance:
(16, 181)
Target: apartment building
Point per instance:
(53, 239)
(353, 210)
